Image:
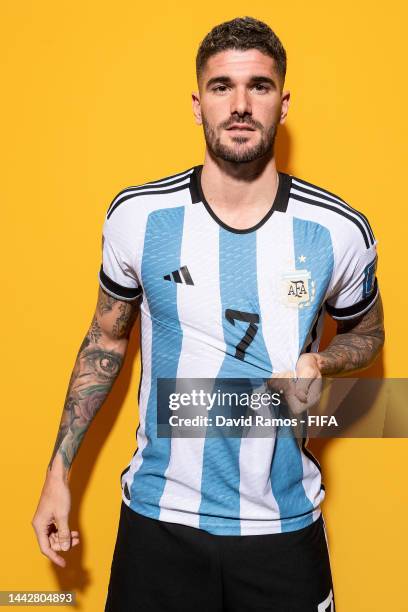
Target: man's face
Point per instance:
(240, 104)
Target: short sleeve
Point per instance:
(117, 274)
(355, 287)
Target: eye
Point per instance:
(261, 87)
(220, 88)
(103, 363)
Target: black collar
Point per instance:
(280, 202)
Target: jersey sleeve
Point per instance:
(355, 287)
(117, 274)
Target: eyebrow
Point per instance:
(228, 81)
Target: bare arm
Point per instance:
(98, 363)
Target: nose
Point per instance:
(240, 101)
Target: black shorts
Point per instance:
(167, 567)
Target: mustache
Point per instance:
(254, 124)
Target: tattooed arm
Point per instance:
(98, 363)
(356, 345)
(96, 368)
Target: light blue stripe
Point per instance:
(287, 483)
(311, 241)
(220, 502)
(161, 251)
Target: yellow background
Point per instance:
(96, 97)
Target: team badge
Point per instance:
(369, 277)
(298, 289)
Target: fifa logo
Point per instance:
(298, 289)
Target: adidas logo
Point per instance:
(180, 276)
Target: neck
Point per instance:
(239, 185)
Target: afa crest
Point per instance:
(298, 289)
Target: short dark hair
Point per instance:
(242, 33)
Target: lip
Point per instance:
(241, 126)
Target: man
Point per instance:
(233, 266)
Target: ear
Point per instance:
(284, 106)
(196, 107)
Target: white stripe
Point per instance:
(316, 513)
(202, 353)
(312, 481)
(280, 324)
(258, 505)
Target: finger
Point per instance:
(53, 538)
(278, 375)
(74, 538)
(55, 545)
(295, 406)
(286, 374)
(315, 391)
(281, 381)
(302, 388)
(64, 533)
(312, 398)
(46, 548)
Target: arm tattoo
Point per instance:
(105, 303)
(125, 320)
(357, 343)
(95, 331)
(96, 368)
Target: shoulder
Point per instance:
(346, 223)
(150, 195)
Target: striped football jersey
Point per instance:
(200, 282)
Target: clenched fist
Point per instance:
(302, 388)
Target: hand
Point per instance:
(50, 521)
(302, 387)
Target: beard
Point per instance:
(238, 152)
